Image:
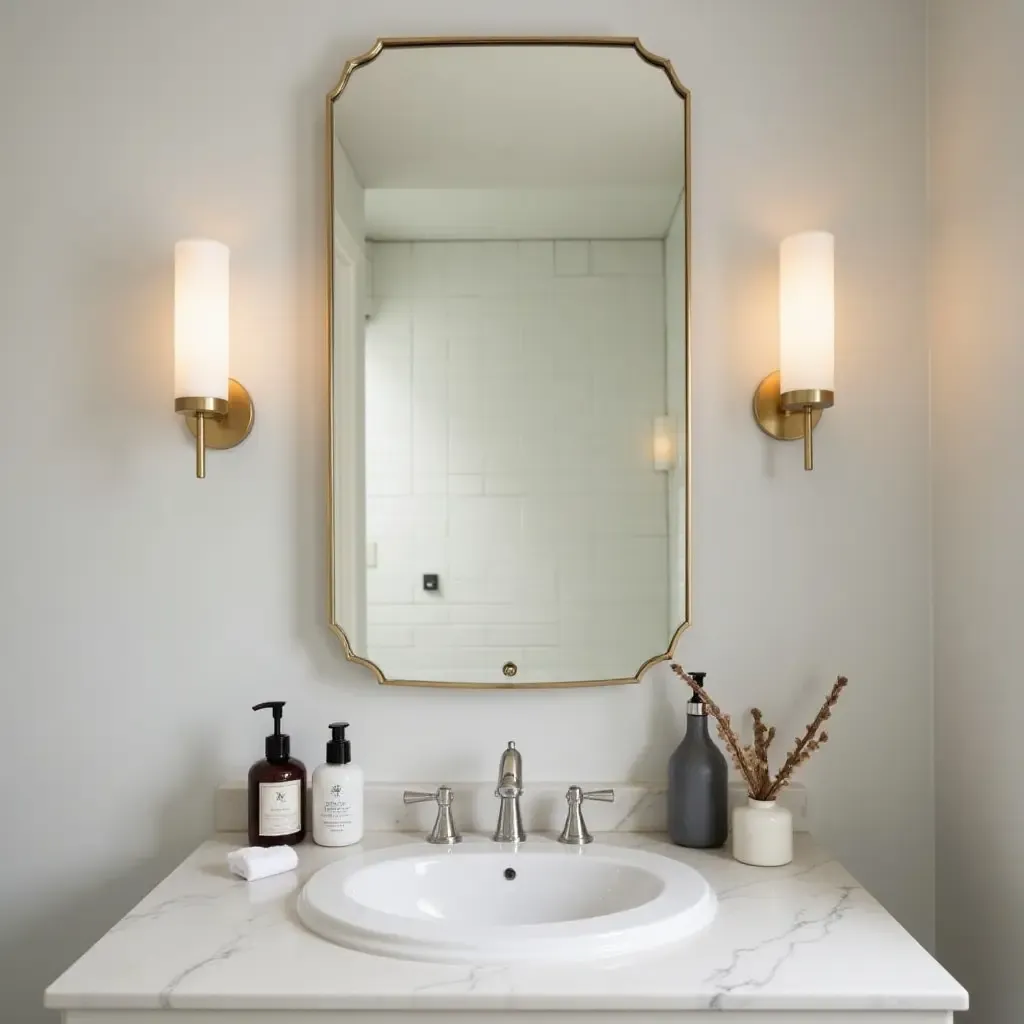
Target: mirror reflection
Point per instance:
(509, 362)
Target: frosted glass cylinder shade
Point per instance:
(807, 312)
(201, 328)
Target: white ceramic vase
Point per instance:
(762, 834)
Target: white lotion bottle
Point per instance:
(338, 794)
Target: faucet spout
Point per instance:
(510, 771)
(509, 789)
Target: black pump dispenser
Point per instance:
(339, 749)
(278, 743)
(696, 702)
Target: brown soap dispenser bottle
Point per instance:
(277, 790)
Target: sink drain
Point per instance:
(510, 873)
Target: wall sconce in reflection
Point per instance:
(218, 410)
(665, 446)
(788, 403)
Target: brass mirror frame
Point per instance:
(351, 66)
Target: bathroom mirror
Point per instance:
(508, 321)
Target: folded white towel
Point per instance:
(255, 862)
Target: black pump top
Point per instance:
(339, 749)
(279, 743)
(698, 678)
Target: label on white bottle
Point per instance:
(336, 811)
(280, 808)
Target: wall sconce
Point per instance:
(218, 410)
(665, 446)
(788, 403)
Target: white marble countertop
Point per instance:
(802, 937)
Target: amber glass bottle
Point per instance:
(277, 790)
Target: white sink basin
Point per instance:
(482, 903)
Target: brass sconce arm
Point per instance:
(216, 423)
(776, 413)
(808, 401)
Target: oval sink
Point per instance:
(489, 904)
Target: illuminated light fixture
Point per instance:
(665, 443)
(789, 402)
(218, 410)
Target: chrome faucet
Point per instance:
(509, 790)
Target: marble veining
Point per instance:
(754, 967)
(802, 937)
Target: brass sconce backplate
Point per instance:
(232, 428)
(772, 418)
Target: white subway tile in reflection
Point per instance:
(511, 389)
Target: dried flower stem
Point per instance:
(761, 742)
(810, 741)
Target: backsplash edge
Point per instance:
(638, 807)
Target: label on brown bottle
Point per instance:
(280, 808)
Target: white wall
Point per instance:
(976, 79)
(511, 389)
(128, 673)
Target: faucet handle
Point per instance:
(444, 830)
(416, 796)
(575, 832)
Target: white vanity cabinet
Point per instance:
(802, 944)
(751, 1016)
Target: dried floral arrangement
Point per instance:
(752, 760)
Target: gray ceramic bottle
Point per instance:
(698, 783)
